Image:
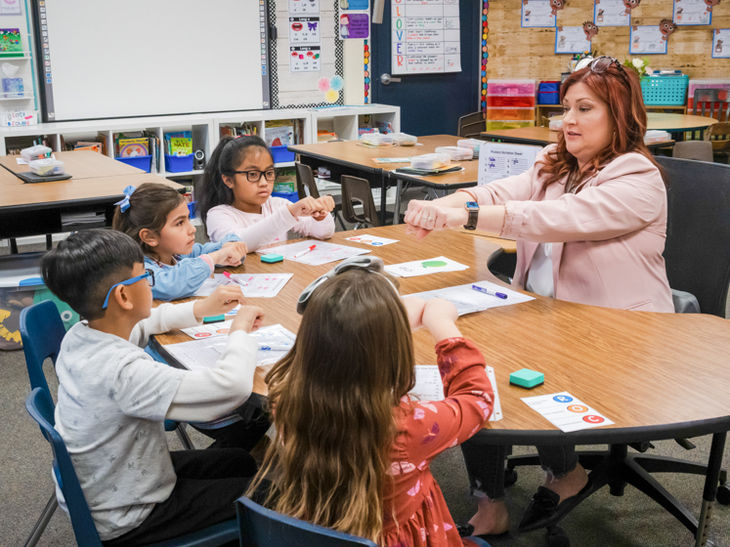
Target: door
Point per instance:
(430, 103)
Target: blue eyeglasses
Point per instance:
(148, 274)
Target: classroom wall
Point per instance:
(516, 52)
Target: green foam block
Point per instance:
(271, 258)
(526, 378)
(214, 318)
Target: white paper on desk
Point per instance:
(252, 285)
(209, 330)
(436, 264)
(392, 160)
(467, 300)
(566, 412)
(205, 352)
(375, 241)
(321, 254)
(430, 388)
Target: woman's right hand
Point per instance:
(439, 317)
(247, 319)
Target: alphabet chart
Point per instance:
(252, 285)
(314, 252)
(566, 412)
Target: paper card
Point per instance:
(413, 268)
(611, 13)
(498, 160)
(646, 40)
(430, 388)
(354, 25)
(303, 7)
(252, 285)
(468, 300)
(691, 12)
(322, 253)
(304, 30)
(304, 59)
(721, 43)
(571, 40)
(355, 4)
(209, 330)
(566, 412)
(375, 241)
(537, 13)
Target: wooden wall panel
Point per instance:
(516, 52)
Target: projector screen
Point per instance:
(101, 59)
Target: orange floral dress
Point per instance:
(415, 510)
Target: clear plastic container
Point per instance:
(474, 144)
(46, 166)
(456, 153)
(430, 161)
(404, 139)
(35, 152)
(377, 139)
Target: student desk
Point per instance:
(37, 208)
(357, 157)
(657, 376)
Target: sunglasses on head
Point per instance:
(369, 263)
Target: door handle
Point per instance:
(386, 79)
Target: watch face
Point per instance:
(471, 205)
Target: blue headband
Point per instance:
(124, 203)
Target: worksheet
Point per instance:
(566, 412)
(430, 388)
(467, 299)
(375, 241)
(252, 285)
(437, 264)
(314, 252)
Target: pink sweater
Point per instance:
(607, 239)
(271, 226)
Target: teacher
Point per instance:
(590, 221)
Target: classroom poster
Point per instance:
(354, 25)
(537, 13)
(571, 40)
(498, 160)
(647, 40)
(304, 59)
(304, 31)
(426, 37)
(304, 7)
(361, 5)
(721, 43)
(691, 12)
(11, 7)
(611, 13)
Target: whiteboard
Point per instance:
(101, 59)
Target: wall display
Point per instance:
(304, 59)
(692, 12)
(647, 39)
(354, 25)
(304, 31)
(721, 43)
(362, 5)
(426, 37)
(537, 13)
(303, 7)
(11, 7)
(611, 13)
(572, 39)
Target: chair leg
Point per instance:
(42, 521)
(184, 438)
(340, 220)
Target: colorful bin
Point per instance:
(665, 89)
(140, 162)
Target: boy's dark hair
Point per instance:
(224, 160)
(149, 206)
(81, 268)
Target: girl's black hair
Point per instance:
(228, 155)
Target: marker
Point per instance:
(309, 250)
(490, 293)
(274, 348)
(229, 277)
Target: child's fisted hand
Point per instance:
(326, 205)
(238, 247)
(223, 300)
(304, 207)
(248, 319)
(230, 254)
(414, 308)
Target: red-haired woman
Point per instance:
(590, 222)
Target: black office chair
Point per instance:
(357, 190)
(693, 150)
(307, 185)
(471, 125)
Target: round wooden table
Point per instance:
(677, 122)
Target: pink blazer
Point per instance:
(607, 239)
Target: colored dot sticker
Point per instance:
(331, 96)
(562, 398)
(593, 419)
(202, 334)
(433, 263)
(223, 331)
(323, 84)
(337, 82)
(577, 408)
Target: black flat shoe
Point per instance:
(545, 506)
(467, 530)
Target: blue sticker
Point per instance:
(376, 243)
(563, 398)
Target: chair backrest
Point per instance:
(40, 406)
(693, 150)
(711, 102)
(718, 134)
(358, 189)
(471, 125)
(697, 251)
(41, 330)
(305, 179)
(262, 527)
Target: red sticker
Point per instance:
(592, 419)
(297, 26)
(202, 334)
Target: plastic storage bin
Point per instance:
(45, 167)
(548, 93)
(511, 87)
(140, 162)
(524, 114)
(510, 100)
(291, 196)
(507, 124)
(430, 161)
(665, 89)
(35, 152)
(456, 153)
(282, 154)
(192, 207)
(178, 164)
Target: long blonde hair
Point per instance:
(333, 399)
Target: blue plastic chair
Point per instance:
(262, 527)
(40, 407)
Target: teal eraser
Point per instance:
(271, 258)
(214, 318)
(527, 378)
